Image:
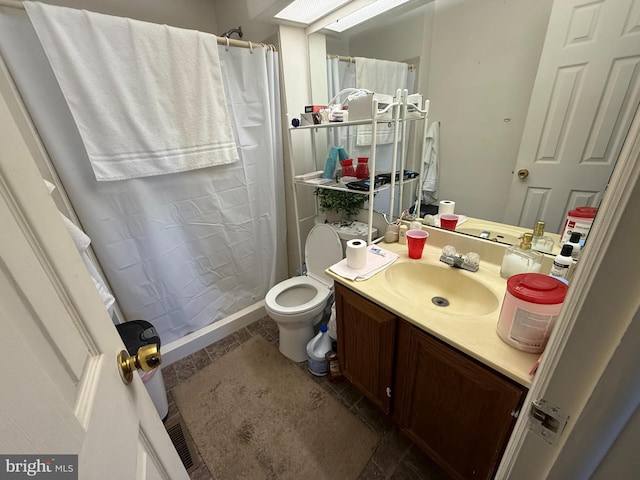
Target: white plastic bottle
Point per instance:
(317, 348)
(574, 241)
(562, 262)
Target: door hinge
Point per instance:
(546, 421)
(388, 390)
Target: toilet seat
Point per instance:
(322, 249)
(322, 292)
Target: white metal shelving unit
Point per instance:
(399, 118)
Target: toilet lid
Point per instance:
(321, 250)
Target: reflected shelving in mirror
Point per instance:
(482, 100)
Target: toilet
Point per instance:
(297, 304)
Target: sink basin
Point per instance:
(448, 290)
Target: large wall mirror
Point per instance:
(534, 99)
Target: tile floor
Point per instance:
(395, 457)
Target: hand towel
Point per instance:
(432, 148)
(376, 262)
(148, 99)
(379, 76)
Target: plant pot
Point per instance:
(332, 217)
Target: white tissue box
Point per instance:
(360, 108)
(414, 102)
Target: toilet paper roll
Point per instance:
(446, 206)
(356, 254)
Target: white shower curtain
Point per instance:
(180, 250)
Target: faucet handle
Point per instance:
(472, 259)
(448, 250)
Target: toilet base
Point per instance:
(293, 341)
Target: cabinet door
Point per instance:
(457, 410)
(366, 338)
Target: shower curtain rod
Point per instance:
(229, 42)
(342, 58)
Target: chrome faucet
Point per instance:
(469, 262)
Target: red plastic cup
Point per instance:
(415, 242)
(448, 221)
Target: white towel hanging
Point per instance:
(148, 99)
(432, 148)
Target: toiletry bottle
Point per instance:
(521, 259)
(347, 168)
(562, 262)
(362, 169)
(402, 235)
(574, 241)
(335, 374)
(540, 241)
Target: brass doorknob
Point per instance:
(523, 173)
(147, 358)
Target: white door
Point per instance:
(61, 392)
(584, 97)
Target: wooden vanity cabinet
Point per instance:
(366, 341)
(457, 410)
(460, 412)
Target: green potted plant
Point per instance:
(339, 204)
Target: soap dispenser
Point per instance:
(521, 259)
(540, 241)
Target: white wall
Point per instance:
(483, 64)
(294, 60)
(477, 62)
(245, 13)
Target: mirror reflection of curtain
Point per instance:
(180, 250)
(341, 75)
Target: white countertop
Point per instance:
(475, 336)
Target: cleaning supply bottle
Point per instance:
(521, 259)
(562, 262)
(317, 348)
(540, 241)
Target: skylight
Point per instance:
(308, 11)
(365, 13)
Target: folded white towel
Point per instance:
(148, 99)
(379, 76)
(375, 263)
